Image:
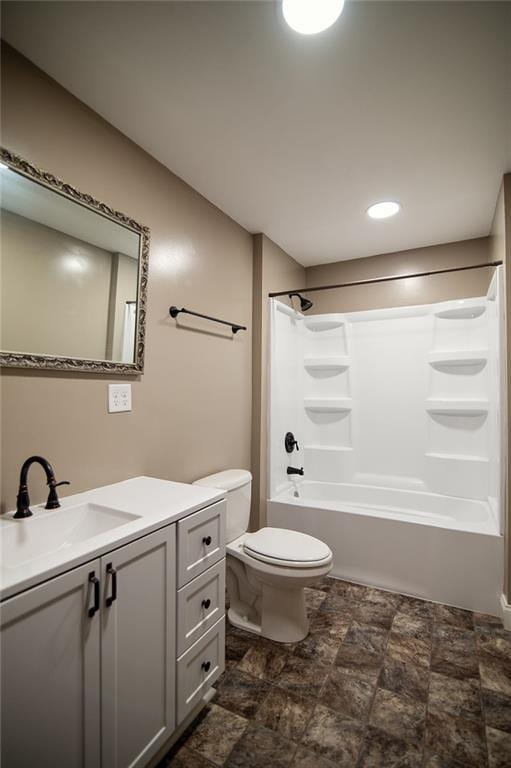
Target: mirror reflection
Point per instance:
(69, 276)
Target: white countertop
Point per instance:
(155, 502)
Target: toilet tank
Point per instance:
(238, 484)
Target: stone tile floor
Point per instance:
(382, 681)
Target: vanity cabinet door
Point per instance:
(50, 657)
(138, 649)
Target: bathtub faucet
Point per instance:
(294, 471)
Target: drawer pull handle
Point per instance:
(113, 573)
(206, 603)
(206, 666)
(206, 540)
(93, 579)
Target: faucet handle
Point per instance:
(53, 499)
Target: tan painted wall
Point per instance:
(43, 296)
(402, 292)
(191, 408)
(500, 248)
(126, 290)
(274, 270)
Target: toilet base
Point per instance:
(283, 616)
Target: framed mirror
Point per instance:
(74, 277)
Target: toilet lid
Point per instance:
(288, 547)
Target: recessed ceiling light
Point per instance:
(384, 209)
(311, 16)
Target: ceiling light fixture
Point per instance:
(384, 209)
(311, 16)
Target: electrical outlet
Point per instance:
(119, 398)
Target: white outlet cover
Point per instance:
(119, 398)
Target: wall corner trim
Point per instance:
(505, 611)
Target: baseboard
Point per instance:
(505, 611)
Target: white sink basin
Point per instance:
(49, 531)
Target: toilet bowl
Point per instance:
(268, 570)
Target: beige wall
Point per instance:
(191, 408)
(402, 292)
(44, 294)
(274, 270)
(500, 248)
(125, 290)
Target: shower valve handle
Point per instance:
(290, 443)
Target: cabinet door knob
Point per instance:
(206, 540)
(206, 666)
(206, 603)
(93, 579)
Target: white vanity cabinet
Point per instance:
(92, 676)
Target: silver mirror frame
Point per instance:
(49, 362)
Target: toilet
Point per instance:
(266, 570)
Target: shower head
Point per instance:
(305, 304)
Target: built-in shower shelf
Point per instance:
(458, 358)
(458, 457)
(327, 363)
(328, 404)
(323, 322)
(457, 407)
(464, 312)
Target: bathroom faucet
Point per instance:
(23, 499)
(295, 471)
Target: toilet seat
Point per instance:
(278, 546)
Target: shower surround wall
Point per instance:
(396, 412)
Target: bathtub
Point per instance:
(428, 545)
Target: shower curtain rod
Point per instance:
(386, 279)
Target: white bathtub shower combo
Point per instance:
(397, 416)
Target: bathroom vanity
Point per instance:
(112, 622)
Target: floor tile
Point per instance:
(495, 673)
(348, 694)
(263, 661)
(334, 603)
(458, 697)
(497, 710)
(235, 647)
(398, 716)
(303, 676)
(349, 590)
(305, 758)
(331, 624)
(313, 598)
(408, 680)
(433, 760)
(382, 597)
(414, 606)
(455, 617)
(320, 646)
(241, 693)
(454, 652)
(487, 621)
(499, 748)
(409, 650)
(362, 650)
(334, 737)
(411, 626)
(260, 748)
(494, 642)
(185, 758)
(285, 712)
(376, 614)
(382, 750)
(457, 739)
(217, 734)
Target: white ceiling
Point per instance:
(295, 136)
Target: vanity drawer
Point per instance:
(199, 605)
(200, 542)
(199, 668)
